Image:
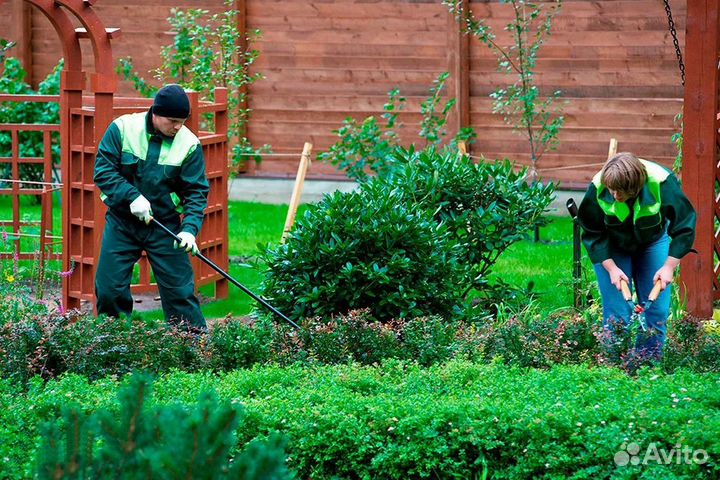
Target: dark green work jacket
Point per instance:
(627, 227)
(133, 158)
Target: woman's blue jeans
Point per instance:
(640, 269)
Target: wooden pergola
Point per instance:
(700, 171)
(83, 122)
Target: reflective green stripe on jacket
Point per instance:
(626, 227)
(135, 140)
(133, 159)
(650, 197)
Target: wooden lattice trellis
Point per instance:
(83, 121)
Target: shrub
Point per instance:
(165, 442)
(690, 344)
(429, 340)
(364, 249)
(239, 344)
(486, 206)
(399, 420)
(409, 243)
(352, 337)
(52, 344)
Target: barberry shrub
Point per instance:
(364, 249)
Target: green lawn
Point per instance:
(548, 264)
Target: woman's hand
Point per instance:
(666, 272)
(616, 275)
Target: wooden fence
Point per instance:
(325, 60)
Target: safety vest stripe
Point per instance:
(135, 140)
(656, 175)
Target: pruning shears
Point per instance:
(638, 311)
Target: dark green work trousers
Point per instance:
(123, 242)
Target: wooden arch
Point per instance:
(81, 229)
(82, 126)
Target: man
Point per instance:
(150, 165)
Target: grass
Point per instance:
(547, 264)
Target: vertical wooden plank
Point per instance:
(22, 35)
(458, 61)
(700, 147)
(243, 91)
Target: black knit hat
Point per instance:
(171, 101)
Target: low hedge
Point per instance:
(52, 345)
(453, 420)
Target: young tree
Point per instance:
(538, 118)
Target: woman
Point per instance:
(637, 225)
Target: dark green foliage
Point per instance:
(691, 345)
(429, 340)
(411, 242)
(167, 442)
(486, 206)
(237, 344)
(49, 345)
(363, 249)
(12, 81)
(352, 337)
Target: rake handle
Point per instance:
(227, 276)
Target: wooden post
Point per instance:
(22, 25)
(297, 190)
(462, 149)
(612, 149)
(699, 281)
(458, 64)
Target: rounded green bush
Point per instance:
(363, 249)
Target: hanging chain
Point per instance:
(678, 52)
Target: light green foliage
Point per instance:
(5, 45)
(677, 139)
(398, 420)
(366, 145)
(521, 104)
(370, 145)
(206, 54)
(167, 442)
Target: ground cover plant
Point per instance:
(399, 420)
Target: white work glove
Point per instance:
(187, 242)
(140, 207)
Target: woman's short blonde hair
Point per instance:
(624, 173)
